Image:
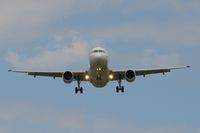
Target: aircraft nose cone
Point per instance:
(98, 59)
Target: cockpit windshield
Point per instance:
(98, 51)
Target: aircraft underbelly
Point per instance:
(99, 79)
(99, 84)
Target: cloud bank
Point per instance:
(23, 20)
(58, 58)
(24, 117)
(24, 23)
(175, 34)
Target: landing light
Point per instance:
(87, 77)
(99, 69)
(111, 76)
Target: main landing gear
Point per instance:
(120, 87)
(78, 89)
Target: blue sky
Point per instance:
(57, 35)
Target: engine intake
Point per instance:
(68, 77)
(130, 75)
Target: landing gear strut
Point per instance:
(78, 89)
(120, 87)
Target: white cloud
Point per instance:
(56, 58)
(23, 20)
(151, 58)
(148, 57)
(22, 115)
(168, 34)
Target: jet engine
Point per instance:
(130, 75)
(67, 77)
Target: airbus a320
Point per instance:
(99, 74)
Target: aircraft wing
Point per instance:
(144, 72)
(54, 75)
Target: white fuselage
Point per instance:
(98, 71)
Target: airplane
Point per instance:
(99, 74)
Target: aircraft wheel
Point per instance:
(117, 89)
(122, 89)
(76, 90)
(81, 90)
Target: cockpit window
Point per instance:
(99, 51)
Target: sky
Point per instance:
(57, 35)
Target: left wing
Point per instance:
(76, 75)
(144, 72)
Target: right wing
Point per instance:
(76, 75)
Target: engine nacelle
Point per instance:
(68, 77)
(130, 75)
